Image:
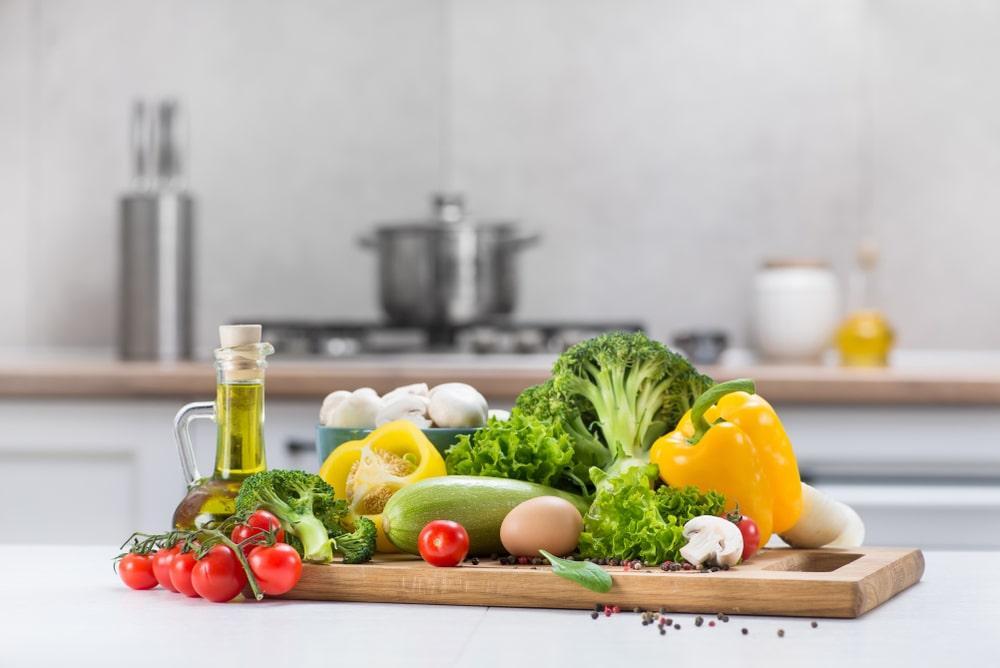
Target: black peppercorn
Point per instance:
(744, 631)
(781, 633)
(698, 621)
(594, 615)
(814, 624)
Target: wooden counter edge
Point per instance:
(300, 380)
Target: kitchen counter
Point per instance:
(497, 376)
(66, 607)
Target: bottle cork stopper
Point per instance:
(868, 253)
(231, 336)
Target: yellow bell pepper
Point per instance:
(757, 419)
(367, 472)
(733, 442)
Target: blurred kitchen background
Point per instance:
(747, 174)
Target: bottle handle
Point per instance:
(199, 410)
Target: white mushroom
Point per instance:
(457, 405)
(460, 388)
(405, 407)
(330, 403)
(419, 389)
(712, 538)
(353, 410)
(499, 414)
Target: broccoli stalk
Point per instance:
(634, 389)
(314, 520)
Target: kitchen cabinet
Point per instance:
(66, 463)
(917, 475)
(904, 468)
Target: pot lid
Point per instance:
(448, 212)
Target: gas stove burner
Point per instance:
(310, 339)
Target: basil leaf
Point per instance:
(585, 573)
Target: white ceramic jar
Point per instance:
(796, 309)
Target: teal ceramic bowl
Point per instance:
(328, 438)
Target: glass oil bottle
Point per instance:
(238, 411)
(865, 337)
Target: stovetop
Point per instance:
(339, 339)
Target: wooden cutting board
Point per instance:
(803, 583)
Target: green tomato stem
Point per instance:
(254, 587)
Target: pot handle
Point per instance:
(527, 241)
(368, 243)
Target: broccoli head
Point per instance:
(305, 505)
(633, 388)
(356, 546)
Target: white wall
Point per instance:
(664, 148)
(309, 120)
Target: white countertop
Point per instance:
(65, 606)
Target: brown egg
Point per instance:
(543, 523)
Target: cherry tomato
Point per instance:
(277, 567)
(258, 522)
(751, 536)
(443, 543)
(136, 571)
(180, 573)
(161, 566)
(218, 576)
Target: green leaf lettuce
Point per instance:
(523, 447)
(630, 520)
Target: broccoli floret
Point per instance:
(359, 545)
(306, 506)
(633, 388)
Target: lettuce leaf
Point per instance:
(522, 448)
(630, 520)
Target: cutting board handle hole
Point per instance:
(808, 561)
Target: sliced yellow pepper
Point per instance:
(367, 472)
(733, 442)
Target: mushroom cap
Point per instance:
(410, 407)
(708, 533)
(355, 411)
(418, 389)
(457, 407)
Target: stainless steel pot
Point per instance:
(448, 270)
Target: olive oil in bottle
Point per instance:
(238, 411)
(865, 337)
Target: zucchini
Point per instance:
(478, 503)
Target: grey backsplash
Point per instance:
(664, 148)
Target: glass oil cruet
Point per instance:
(865, 337)
(238, 411)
